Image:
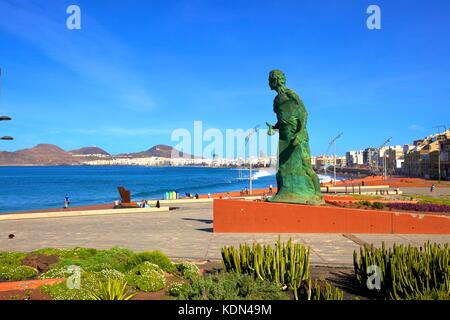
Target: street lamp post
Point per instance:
(247, 139)
(333, 142)
(384, 156)
(4, 118)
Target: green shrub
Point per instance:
(231, 286)
(112, 289)
(96, 260)
(365, 203)
(56, 273)
(147, 277)
(378, 205)
(17, 273)
(89, 284)
(187, 270)
(112, 274)
(158, 258)
(12, 259)
(178, 289)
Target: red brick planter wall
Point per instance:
(260, 217)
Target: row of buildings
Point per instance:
(257, 162)
(426, 158)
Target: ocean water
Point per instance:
(33, 188)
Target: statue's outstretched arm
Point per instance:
(271, 128)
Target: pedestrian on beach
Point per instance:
(66, 201)
(270, 189)
(157, 204)
(209, 195)
(433, 186)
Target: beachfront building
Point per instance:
(392, 157)
(429, 156)
(180, 162)
(370, 157)
(354, 158)
(322, 162)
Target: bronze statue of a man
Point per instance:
(296, 179)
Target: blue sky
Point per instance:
(139, 69)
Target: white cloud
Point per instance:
(416, 127)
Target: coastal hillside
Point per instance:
(89, 151)
(160, 150)
(51, 155)
(42, 154)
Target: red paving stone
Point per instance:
(30, 284)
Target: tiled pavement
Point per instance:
(184, 233)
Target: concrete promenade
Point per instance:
(185, 233)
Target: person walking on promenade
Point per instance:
(433, 186)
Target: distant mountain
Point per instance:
(89, 151)
(160, 150)
(42, 154)
(51, 155)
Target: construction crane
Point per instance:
(333, 142)
(384, 156)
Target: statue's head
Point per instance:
(277, 79)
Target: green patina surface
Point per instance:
(296, 179)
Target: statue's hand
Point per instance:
(270, 131)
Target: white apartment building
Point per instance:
(354, 158)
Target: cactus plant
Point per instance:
(287, 264)
(406, 272)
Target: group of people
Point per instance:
(146, 204)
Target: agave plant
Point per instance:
(113, 289)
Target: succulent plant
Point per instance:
(406, 272)
(287, 264)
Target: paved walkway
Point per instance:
(184, 233)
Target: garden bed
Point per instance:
(397, 206)
(251, 272)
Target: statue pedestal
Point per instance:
(242, 216)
